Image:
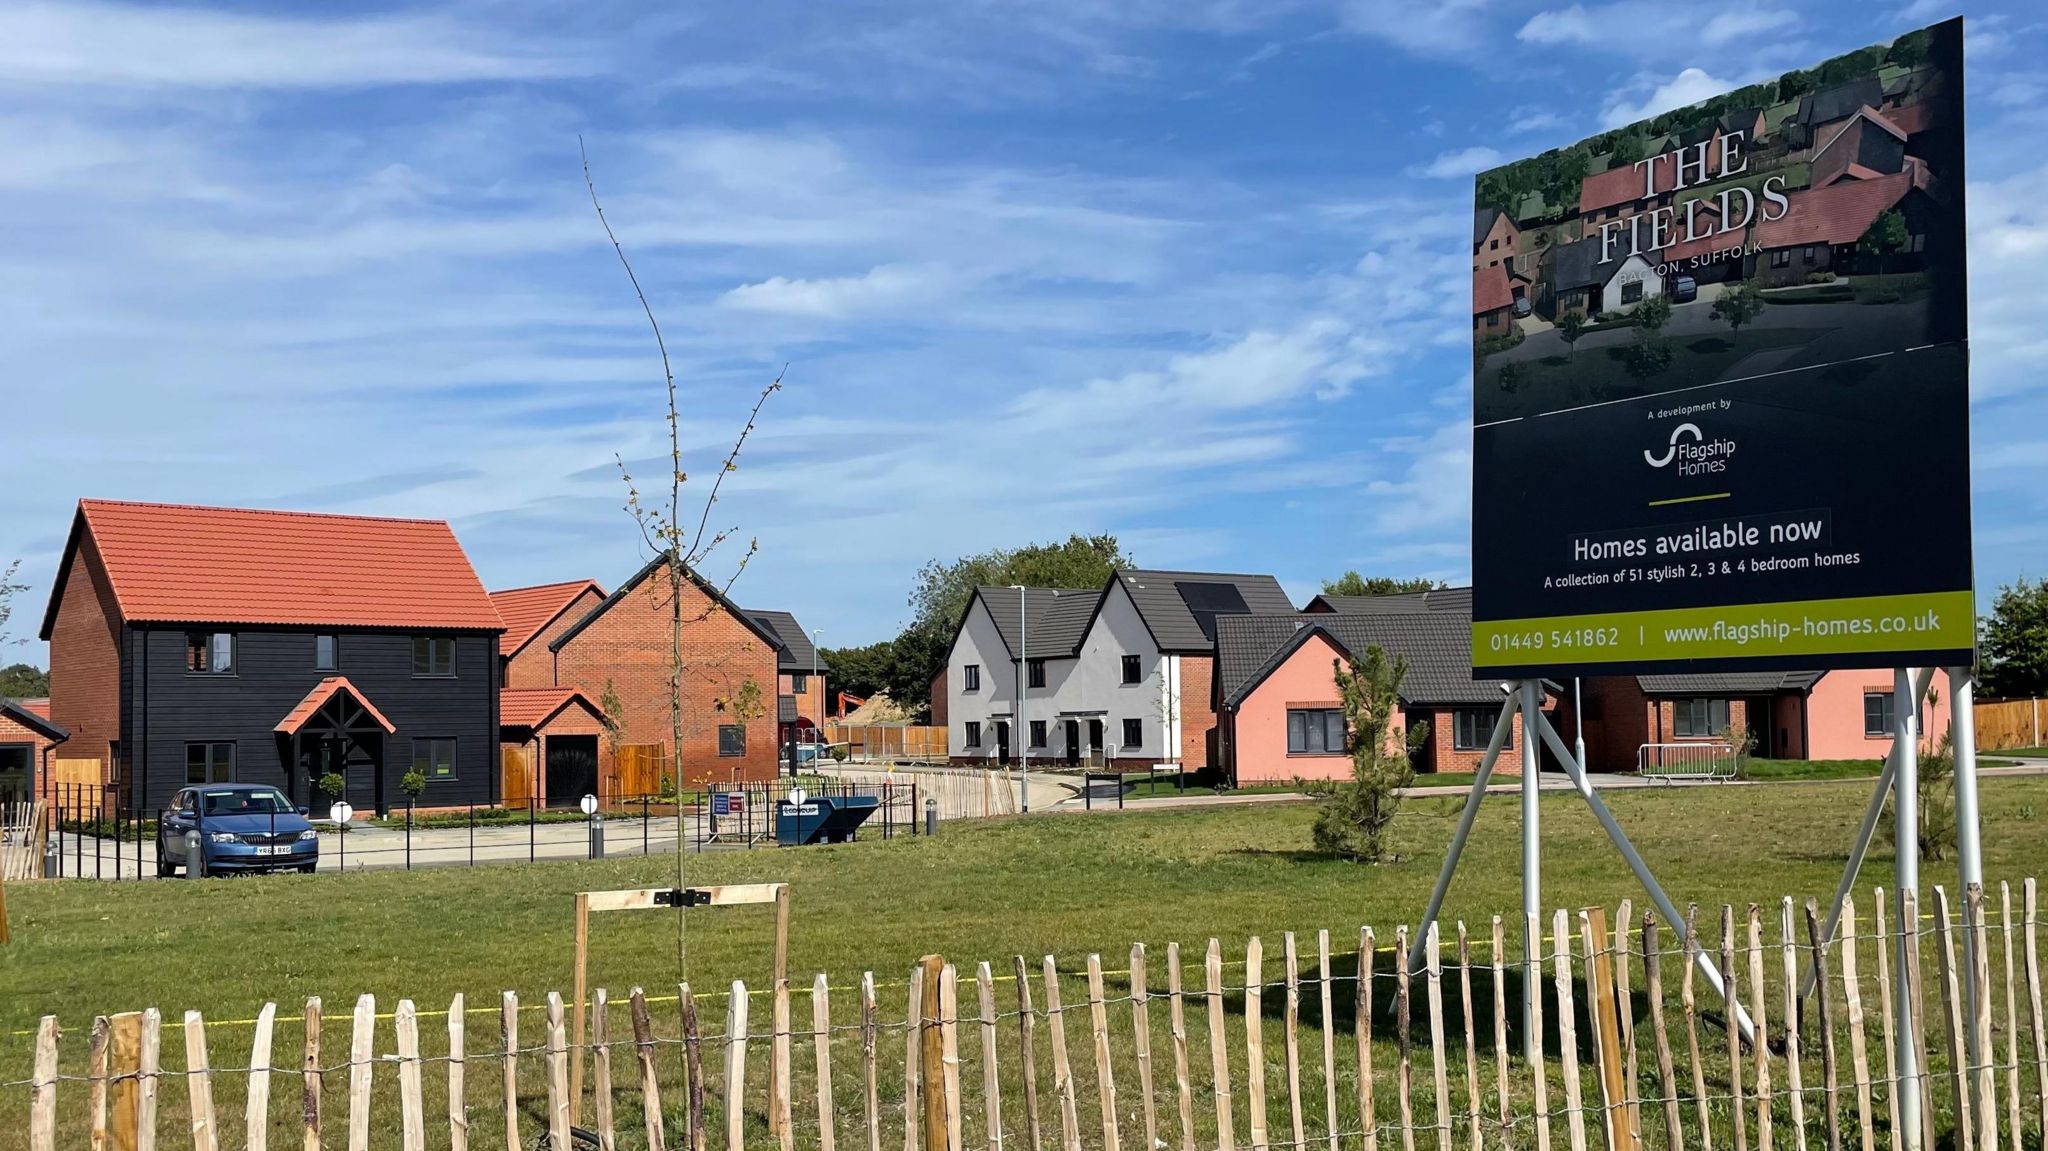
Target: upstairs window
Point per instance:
(970, 677)
(326, 653)
(732, 740)
(800, 682)
(1134, 669)
(433, 655)
(1035, 672)
(210, 653)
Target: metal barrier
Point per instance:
(1703, 759)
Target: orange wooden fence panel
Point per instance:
(2011, 723)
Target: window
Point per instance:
(1812, 254)
(434, 758)
(1133, 669)
(1134, 733)
(1878, 714)
(209, 763)
(800, 682)
(1472, 728)
(1035, 672)
(1781, 258)
(1493, 245)
(1632, 292)
(326, 653)
(1493, 319)
(1698, 718)
(1038, 733)
(973, 734)
(210, 653)
(1315, 731)
(970, 677)
(433, 655)
(732, 740)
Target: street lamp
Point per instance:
(1023, 669)
(820, 685)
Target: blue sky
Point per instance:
(1190, 272)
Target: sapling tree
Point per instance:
(1739, 305)
(1353, 817)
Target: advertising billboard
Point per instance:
(1721, 383)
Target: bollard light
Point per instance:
(589, 805)
(341, 813)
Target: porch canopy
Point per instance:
(338, 706)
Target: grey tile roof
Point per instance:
(1163, 604)
(1728, 683)
(798, 653)
(1437, 644)
(1053, 631)
(1578, 264)
(1454, 599)
(1482, 222)
(1840, 101)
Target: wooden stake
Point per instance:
(149, 1068)
(937, 1115)
(1730, 1000)
(2012, 1019)
(1255, 1043)
(1884, 1012)
(124, 1062)
(1667, 1070)
(411, 1100)
(310, 1083)
(560, 1105)
(821, 1047)
(601, 1071)
(1141, 1036)
(697, 1127)
(1404, 1074)
(949, 1051)
(508, 1071)
(991, 1083)
(1603, 1015)
(779, 1101)
(256, 1115)
(96, 1094)
(735, 1068)
(1027, 1043)
(458, 1087)
(1475, 1134)
(362, 1048)
(1859, 1051)
(1761, 1049)
(643, 1057)
(1631, 1118)
(42, 1112)
(1062, 1069)
(1952, 1018)
(1830, 1082)
(1105, 1077)
(198, 1082)
(1688, 947)
(913, 1058)
(1532, 989)
(576, 1041)
(1177, 1021)
(1361, 1026)
(1979, 1001)
(1434, 967)
(1500, 1036)
(1915, 1013)
(1795, 1086)
(1568, 1030)
(2037, 1024)
(870, 1025)
(1291, 1039)
(1219, 1050)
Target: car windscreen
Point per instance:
(247, 803)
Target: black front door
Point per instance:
(572, 769)
(1002, 742)
(1073, 727)
(1094, 742)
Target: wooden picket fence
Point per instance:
(1631, 1052)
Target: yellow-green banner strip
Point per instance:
(1930, 621)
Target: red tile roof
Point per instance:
(1490, 290)
(1707, 221)
(526, 610)
(1838, 213)
(39, 706)
(1912, 119)
(323, 691)
(177, 564)
(534, 707)
(1617, 185)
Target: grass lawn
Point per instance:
(1065, 885)
(1598, 374)
(1781, 769)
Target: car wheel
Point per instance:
(164, 867)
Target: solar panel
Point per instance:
(1206, 601)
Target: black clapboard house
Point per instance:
(207, 645)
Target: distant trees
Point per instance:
(1887, 234)
(2014, 643)
(24, 681)
(1351, 583)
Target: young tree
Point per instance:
(2015, 643)
(1353, 817)
(1937, 803)
(1570, 327)
(1887, 234)
(1651, 314)
(1511, 375)
(1351, 583)
(1739, 305)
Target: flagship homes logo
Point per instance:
(1693, 453)
(1727, 213)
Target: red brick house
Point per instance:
(799, 678)
(1493, 302)
(1821, 227)
(624, 641)
(1496, 241)
(28, 741)
(534, 617)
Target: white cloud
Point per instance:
(1740, 23)
(1571, 25)
(1688, 87)
(1461, 162)
(162, 45)
(879, 289)
(1432, 495)
(1528, 119)
(1454, 28)
(1656, 29)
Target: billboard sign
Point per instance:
(1721, 383)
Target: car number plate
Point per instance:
(281, 850)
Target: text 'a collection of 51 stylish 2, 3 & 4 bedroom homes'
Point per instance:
(193, 645)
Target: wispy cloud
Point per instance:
(1446, 28)
(1632, 103)
(1461, 162)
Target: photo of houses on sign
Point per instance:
(1795, 222)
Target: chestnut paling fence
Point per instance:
(1300, 1048)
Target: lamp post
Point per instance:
(820, 684)
(1023, 669)
(1578, 725)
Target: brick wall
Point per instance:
(1442, 755)
(1197, 712)
(534, 666)
(939, 718)
(85, 660)
(1664, 727)
(629, 646)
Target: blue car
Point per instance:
(242, 828)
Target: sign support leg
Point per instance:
(1906, 877)
(1621, 842)
(1501, 729)
(1532, 856)
(1962, 727)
